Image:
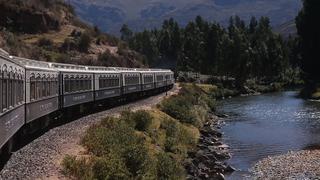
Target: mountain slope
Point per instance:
(140, 14)
(287, 29)
(48, 30)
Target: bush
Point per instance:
(108, 59)
(109, 167)
(68, 44)
(78, 168)
(178, 138)
(142, 120)
(84, 42)
(118, 151)
(45, 43)
(168, 168)
(179, 107)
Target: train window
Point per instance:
(132, 79)
(4, 89)
(159, 77)
(76, 83)
(148, 79)
(10, 93)
(90, 84)
(22, 88)
(1, 79)
(81, 84)
(32, 88)
(67, 84)
(55, 86)
(18, 89)
(43, 87)
(48, 86)
(52, 83)
(14, 90)
(72, 84)
(78, 88)
(38, 87)
(52, 86)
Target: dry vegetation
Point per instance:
(49, 31)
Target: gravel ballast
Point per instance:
(41, 158)
(293, 165)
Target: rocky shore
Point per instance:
(208, 162)
(293, 165)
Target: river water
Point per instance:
(267, 125)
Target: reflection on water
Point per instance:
(266, 125)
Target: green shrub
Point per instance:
(168, 168)
(79, 168)
(45, 43)
(179, 107)
(84, 42)
(109, 167)
(142, 120)
(139, 120)
(118, 153)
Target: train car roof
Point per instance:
(33, 64)
(5, 55)
(73, 68)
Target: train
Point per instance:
(31, 89)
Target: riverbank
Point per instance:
(178, 139)
(311, 91)
(208, 162)
(293, 165)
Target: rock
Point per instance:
(222, 115)
(221, 156)
(202, 167)
(203, 175)
(207, 162)
(229, 169)
(220, 176)
(223, 146)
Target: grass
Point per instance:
(192, 105)
(58, 37)
(151, 144)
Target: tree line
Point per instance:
(308, 26)
(241, 50)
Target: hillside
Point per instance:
(49, 30)
(111, 14)
(287, 29)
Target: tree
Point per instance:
(241, 51)
(308, 25)
(253, 25)
(84, 42)
(126, 33)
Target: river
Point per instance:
(267, 125)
